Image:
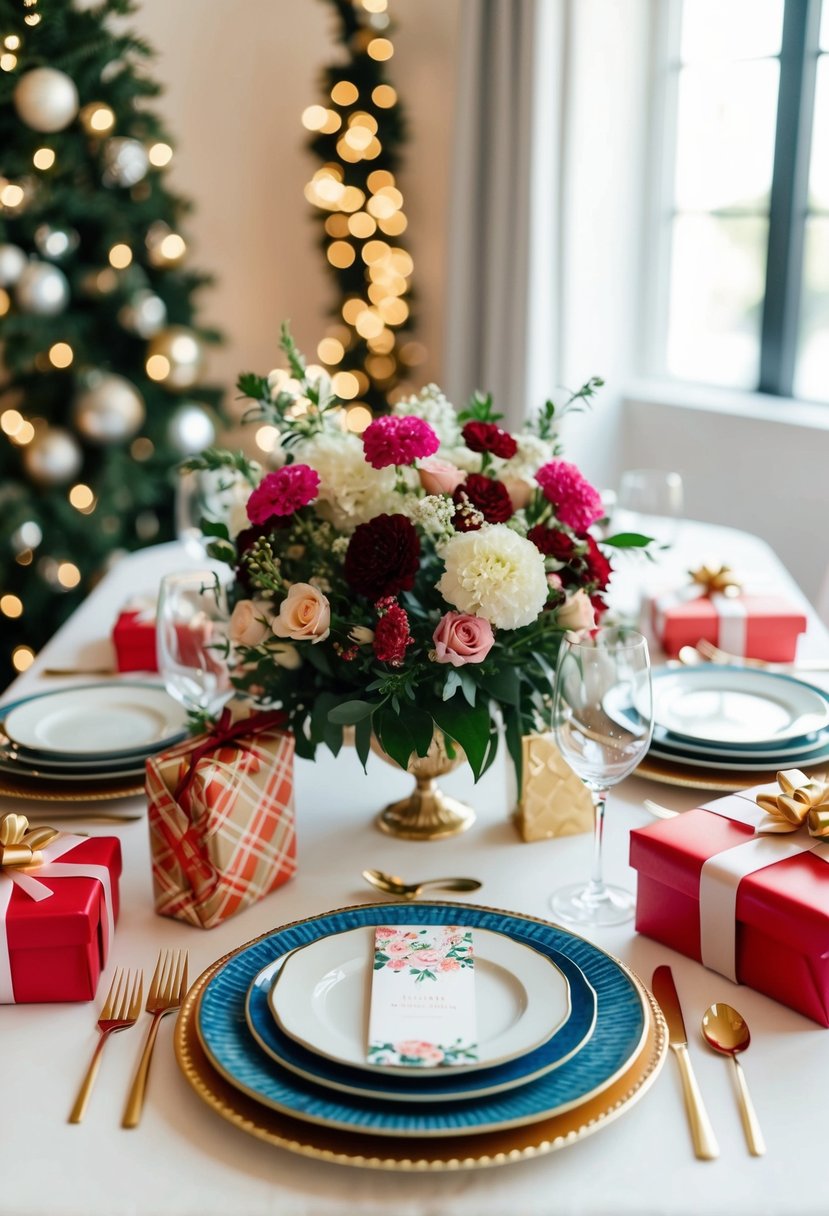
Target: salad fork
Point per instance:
(167, 989)
(120, 1011)
(715, 654)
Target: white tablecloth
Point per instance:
(184, 1159)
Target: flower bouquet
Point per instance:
(410, 584)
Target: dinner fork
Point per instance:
(715, 654)
(121, 1009)
(169, 984)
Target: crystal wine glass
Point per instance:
(217, 495)
(192, 640)
(603, 720)
(650, 501)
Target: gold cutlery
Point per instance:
(78, 671)
(391, 884)
(725, 1030)
(121, 1009)
(169, 984)
(710, 653)
(702, 1133)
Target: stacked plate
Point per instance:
(273, 1037)
(736, 725)
(89, 742)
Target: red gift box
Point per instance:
(134, 640)
(57, 926)
(782, 910)
(755, 626)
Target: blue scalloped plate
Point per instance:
(620, 1031)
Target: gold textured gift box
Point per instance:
(554, 801)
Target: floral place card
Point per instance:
(423, 997)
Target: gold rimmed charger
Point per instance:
(722, 780)
(415, 1153)
(34, 790)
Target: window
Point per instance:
(746, 230)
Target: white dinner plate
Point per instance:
(321, 999)
(737, 705)
(97, 720)
(744, 762)
(34, 772)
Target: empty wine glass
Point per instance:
(650, 501)
(603, 721)
(192, 640)
(215, 495)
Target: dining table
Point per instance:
(184, 1159)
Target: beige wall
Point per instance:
(237, 77)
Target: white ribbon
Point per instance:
(722, 874)
(37, 890)
(732, 623)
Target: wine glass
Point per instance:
(192, 640)
(603, 721)
(217, 495)
(650, 501)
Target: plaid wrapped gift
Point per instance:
(221, 815)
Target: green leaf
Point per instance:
(512, 731)
(469, 726)
(394, 735)
(451, 684)
(504, 686)
(628, 540)
(469, 687)
(348, 713)
(362, 740)
(212, 527)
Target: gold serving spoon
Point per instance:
(391, 884)
(725, 1030)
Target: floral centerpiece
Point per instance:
(413, 582)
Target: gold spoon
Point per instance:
(390, 884)
(725, 1031)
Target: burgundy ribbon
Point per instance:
(223, 732)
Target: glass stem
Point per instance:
(596, 887)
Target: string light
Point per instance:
(8, 62)
(11, 606)
(160, 155)
(61, 354)
(12, 195)
(5, 302)
(380, 49)
(68, 575)
(23, 656)
(344, 93)
(43, 158)
(158, 367)
(267, 438)
(120, 256)
(12, 42)
(142, 448)
(330, 351)
(81, 497)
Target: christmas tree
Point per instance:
(100, 360)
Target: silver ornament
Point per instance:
(190, 429)
(55, 243)
(27, 536)
(175, 357)
(12, 264)
(46, 99)
(109, 410)
(52, 458)
(144, 314)
(125, 161)
(42, 289)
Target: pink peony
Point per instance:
(426, 956)
(398, 948)
(417, 1049)
(462, 638)
(450, 964)
(577, 503)
(398, 440)
(398, 964)
(283, 492)
(439, 476)
(304, 615)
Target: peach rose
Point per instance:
(576, 614)
(285, 655)
(248, 623)
(304, 614)
(462, 638)
(439, 476)
(520, 491)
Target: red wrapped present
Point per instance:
(58, 907)
(222, 819)
(713, 608)
(744, 889)
(134, 638)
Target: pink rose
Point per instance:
(248, 624)
(398, 964)
(576, 614)
(417, 1049)
(398, 948)
(304, 614)
(450, 964)
(520, 491)
(439, 476)
(426, 956)
(462, 638)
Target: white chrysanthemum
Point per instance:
(532, 453)
(432, 406)
(351, 492)
(496, 574)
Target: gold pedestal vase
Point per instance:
(428, 813)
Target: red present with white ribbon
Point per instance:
(133, 636)
(58, 908)
(744, 892)
(221, 814)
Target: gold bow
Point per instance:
(801, 801)
(720, 580)
(20, 845)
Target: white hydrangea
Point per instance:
(351, 492)
(433, 407)
(434, 514)
(532, 453)
(495, 574)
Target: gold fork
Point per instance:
(169, 984)
(120, 1011)
(715, 654)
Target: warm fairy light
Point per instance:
(12, 195)
(352, 309)
(158, 367)
(160, 154)
(379, 179)
(267, 438)
(345, 385)
(106, 281)
(81, 497)
(361, 225)
(373, 251)
(369, 324)
(361, 119)
(99, 118)
(345, 152)
(23, 656)
(68, 575)
(8, 62)
(120, 256)
(142, 448)
(384, 96)
(352, 199)
(11, 421)
(11, 42)
(358, 138)
(357, 418)
(5, 302)
(32, 19)
(394, 225)
(380, 367)
(330, 351)
(314, 117)
(24, 434)
(61, 354)
(381, 207)
(375, 6)
(173, 247)
(332, 123)
(393, 311)
(383, 343)
(413, 353)
(380, 49)
(43, 158)
(337, 225)
(11, 606)
(340, 254)
(344, 93)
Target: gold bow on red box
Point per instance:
(801, 801)
(716, 580)
(20, 845)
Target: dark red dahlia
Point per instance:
(382, 557)
(487, 437)
(552, 543)
(599, 568)
(391, 636)
(486, 495)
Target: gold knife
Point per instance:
(702, 1133)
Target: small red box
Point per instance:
(769, 628)
(782, 942)
(134, 638)
(58, 946)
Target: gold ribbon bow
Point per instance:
(801, 801)
(20, 845)
(720, 580)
